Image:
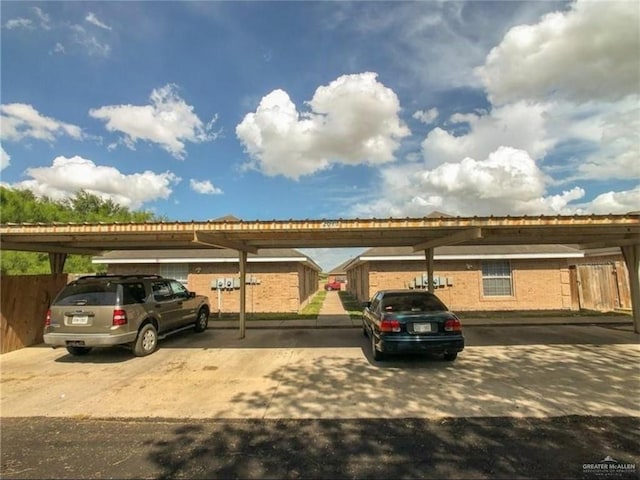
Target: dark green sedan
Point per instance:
(411, 321)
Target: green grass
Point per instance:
(309, 312)
(350, 304)
(314, 306)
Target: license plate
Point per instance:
(422, 327)
(80, 320)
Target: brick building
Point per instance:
(524, 277)
(278, 280)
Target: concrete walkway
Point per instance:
(333, 314)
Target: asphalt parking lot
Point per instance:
(212, 405)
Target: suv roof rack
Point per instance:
(104, 275)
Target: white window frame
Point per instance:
(177, 271)
(496, 270)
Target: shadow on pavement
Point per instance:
(406, 448)
(462, 448)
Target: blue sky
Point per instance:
(279, 110)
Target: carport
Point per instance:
(422, 234)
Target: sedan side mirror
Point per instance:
(366, 304)
(192, 294)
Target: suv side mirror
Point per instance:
(192, 294)
(366, 304)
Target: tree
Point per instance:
(22, 206)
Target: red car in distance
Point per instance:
(335, 285)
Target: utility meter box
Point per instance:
(228, 283)
(220, 283)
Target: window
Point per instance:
(161, 291)
(178, 271)
(179, 291)
(93, 293)
(496, 279)
(412, 302)
(133, 293)
(375, 303)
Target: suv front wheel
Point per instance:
(202, 321)
(147, 341)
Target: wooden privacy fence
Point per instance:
(24, 301)
(604, 287)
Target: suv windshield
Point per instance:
(88, 294)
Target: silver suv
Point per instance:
(106, 310)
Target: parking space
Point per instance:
(537, 371)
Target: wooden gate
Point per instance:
(603, 287)
(23, 307)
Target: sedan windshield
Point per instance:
(411, 302)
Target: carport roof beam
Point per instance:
(60, 248)
(472, 233)
(210, 240)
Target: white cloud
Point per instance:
(588, 53)
(45, 20)
(18, 23)
(353, 120)
(66, 176)
(614, 130)
(93, 19)
(521, 125)
(168, 121)
(89, 42)
(426, 116)
(20, 121)
(204, 187)
(507, 182)
(5, 159)
(615, 202)
(58, 48)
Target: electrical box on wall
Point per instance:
(232, 283)
(422, 281)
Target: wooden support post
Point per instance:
(631, 255)
(428, 255)
(243, 292)
(56, 262)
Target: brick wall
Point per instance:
(308, 284)
(358, 282)
(540, 284)
(283, 286)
